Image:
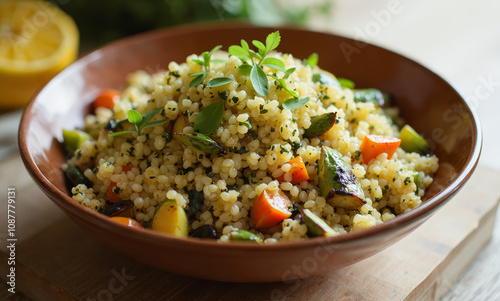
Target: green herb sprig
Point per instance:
(210, 117)
(294, 103)
(141, 122)
(312, 60)
(254, 61)
(199, 77)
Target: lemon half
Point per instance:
(37, 41)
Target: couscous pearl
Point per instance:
(286, 167)
(137, 187)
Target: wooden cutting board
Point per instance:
(57, 260)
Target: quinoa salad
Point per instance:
(247, 145)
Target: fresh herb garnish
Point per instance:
(312, 60)
(294, 103)
(247, 124)
(196, 201)
(288, 72)
(242, 150)
(209, 119)
(168, 137)
(357, 154)
(218, 81)
(223, 95)
(262, 110)
(295, 146)
(283, 149)
(199, 77)
(141, 122)
(244, 69)
(282, 83)
(274, 63)
(259, 80)
(326, 79)
(346, 83)
(254, 61)
(206, 58)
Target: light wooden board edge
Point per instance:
(441, 280)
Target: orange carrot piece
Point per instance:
(298, 171)
(127, 221)
(107, 99)
(374, 145)
(270, 208)
(111, 195)
(127, 168)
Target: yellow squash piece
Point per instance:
(180, 124)
(37, 41)
(170, 218)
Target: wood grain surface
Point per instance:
(57, 260)
(481, 280)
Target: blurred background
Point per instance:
(115, 19)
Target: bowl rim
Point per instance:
(147, 235)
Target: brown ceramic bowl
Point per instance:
(426, 101)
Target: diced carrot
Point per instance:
(374, 145)
(107, 99)
(298, 171)
(270, 208)
(111, 195)
(127, 168)
(127, 221)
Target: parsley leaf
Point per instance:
(209, 118)
(261, 47)
(141, 121)
(205, 62)
(198, 80)
(346, 83)
(258, 59)
(259, 80)
(294, 103)
(134, 117)
(239, 52)
(218, 81)
(283, 84)
(312, 60)
(244, 70)
(274, 63)
(272, 41)
(288, 72)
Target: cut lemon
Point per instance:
(37, 41)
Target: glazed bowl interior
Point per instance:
(425, 101)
